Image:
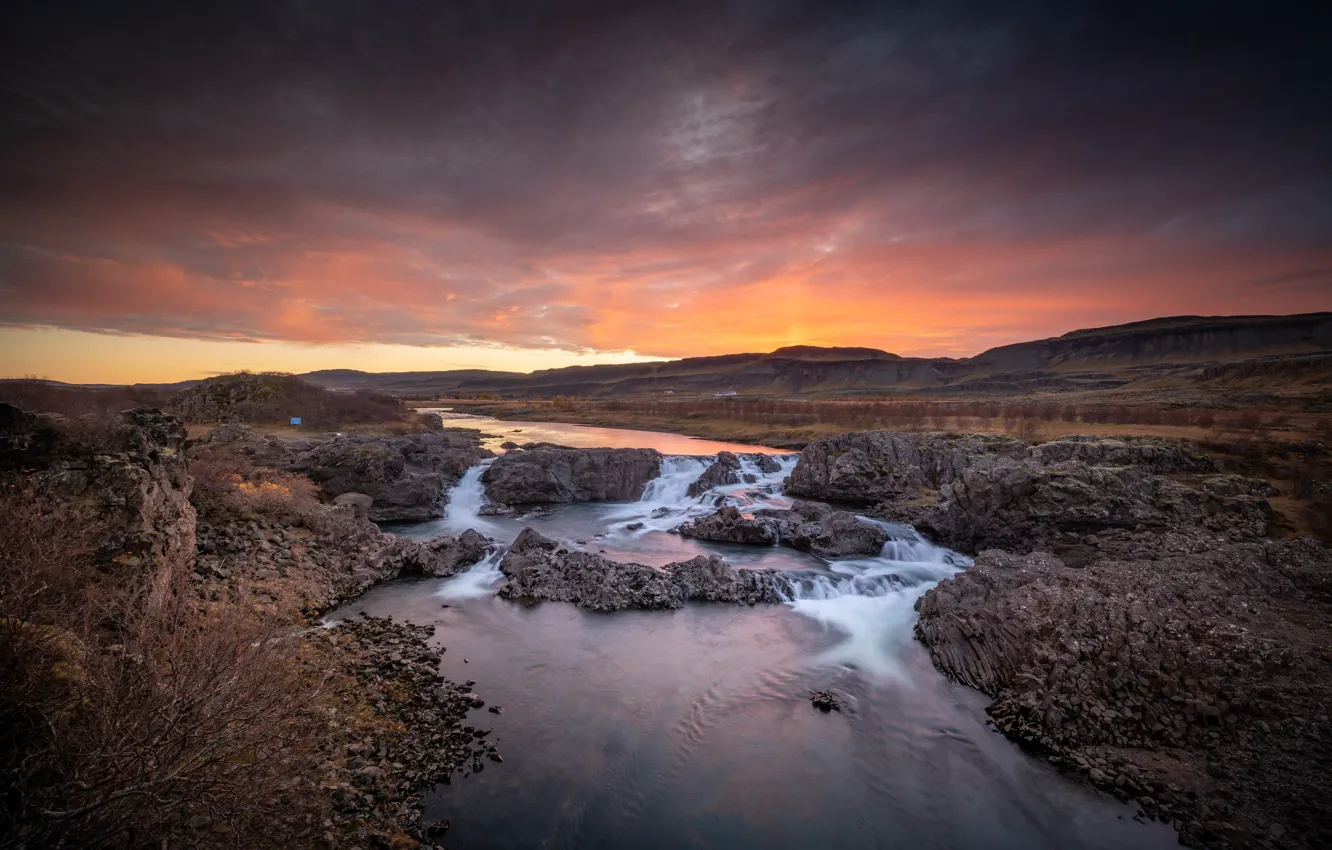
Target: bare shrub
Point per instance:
(226, 480)
(127, 717)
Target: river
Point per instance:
(693, 728)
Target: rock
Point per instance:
(571, 475)
(130, 472)
(509, 445)
(874, 466)
(974, 492)
(360, 504)
(808, 526)
(824, 701)
(728, 525)
(406, 477)
(723, 471)
(765, 463)
(1166, 643)
(538, 568)
(495, 709)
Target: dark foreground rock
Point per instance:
(1196, 680)
(406, 477)
(539, 568)
(403, 730)
(807, 526)
(824, 701)
(570, 475)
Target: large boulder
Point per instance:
(539, 568)
(728, 525)
(570, 475)
(723, 471)
(807, 526)
(1208, 655)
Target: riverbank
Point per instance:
(213, 690)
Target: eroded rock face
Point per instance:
(406, 477)
(539, 568)
(335, 556)
(971, 492)
(873, 466)
(807, 526)
(131, 473)
(570, 475)
(723, 471)
(730, 526)
(1147, 649)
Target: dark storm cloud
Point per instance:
(320, 170)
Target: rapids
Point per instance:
(693, 727)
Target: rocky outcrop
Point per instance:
(1208, 654)
(728, 525)
(129, 471)
(539, 568)
(874, 466)
(1023, 505)
(807, 526)
(406, 477)
(974, 492)
(333, 555)
(723, 471)
(570, 475)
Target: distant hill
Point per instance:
(1260, 353)
(1180, 349)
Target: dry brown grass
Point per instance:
(127, 717)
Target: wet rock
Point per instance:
(765, 463)
(807, 526)
(542, 475)
(538, 568)
(723, 471)
(728, 525)
(824, 701)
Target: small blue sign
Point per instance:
(295, 420)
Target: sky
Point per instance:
(194, 188)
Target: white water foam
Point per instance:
(476, 581)
(666, 502)
(466, 499)
(871, 602)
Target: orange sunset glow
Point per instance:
(842, 185)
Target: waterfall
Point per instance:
(466, 498)
(871, 601)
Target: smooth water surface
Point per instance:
(693, 728)
(498, 431)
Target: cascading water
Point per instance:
(871, 601)
(466, 499)
(666, 502)
(477, 581)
